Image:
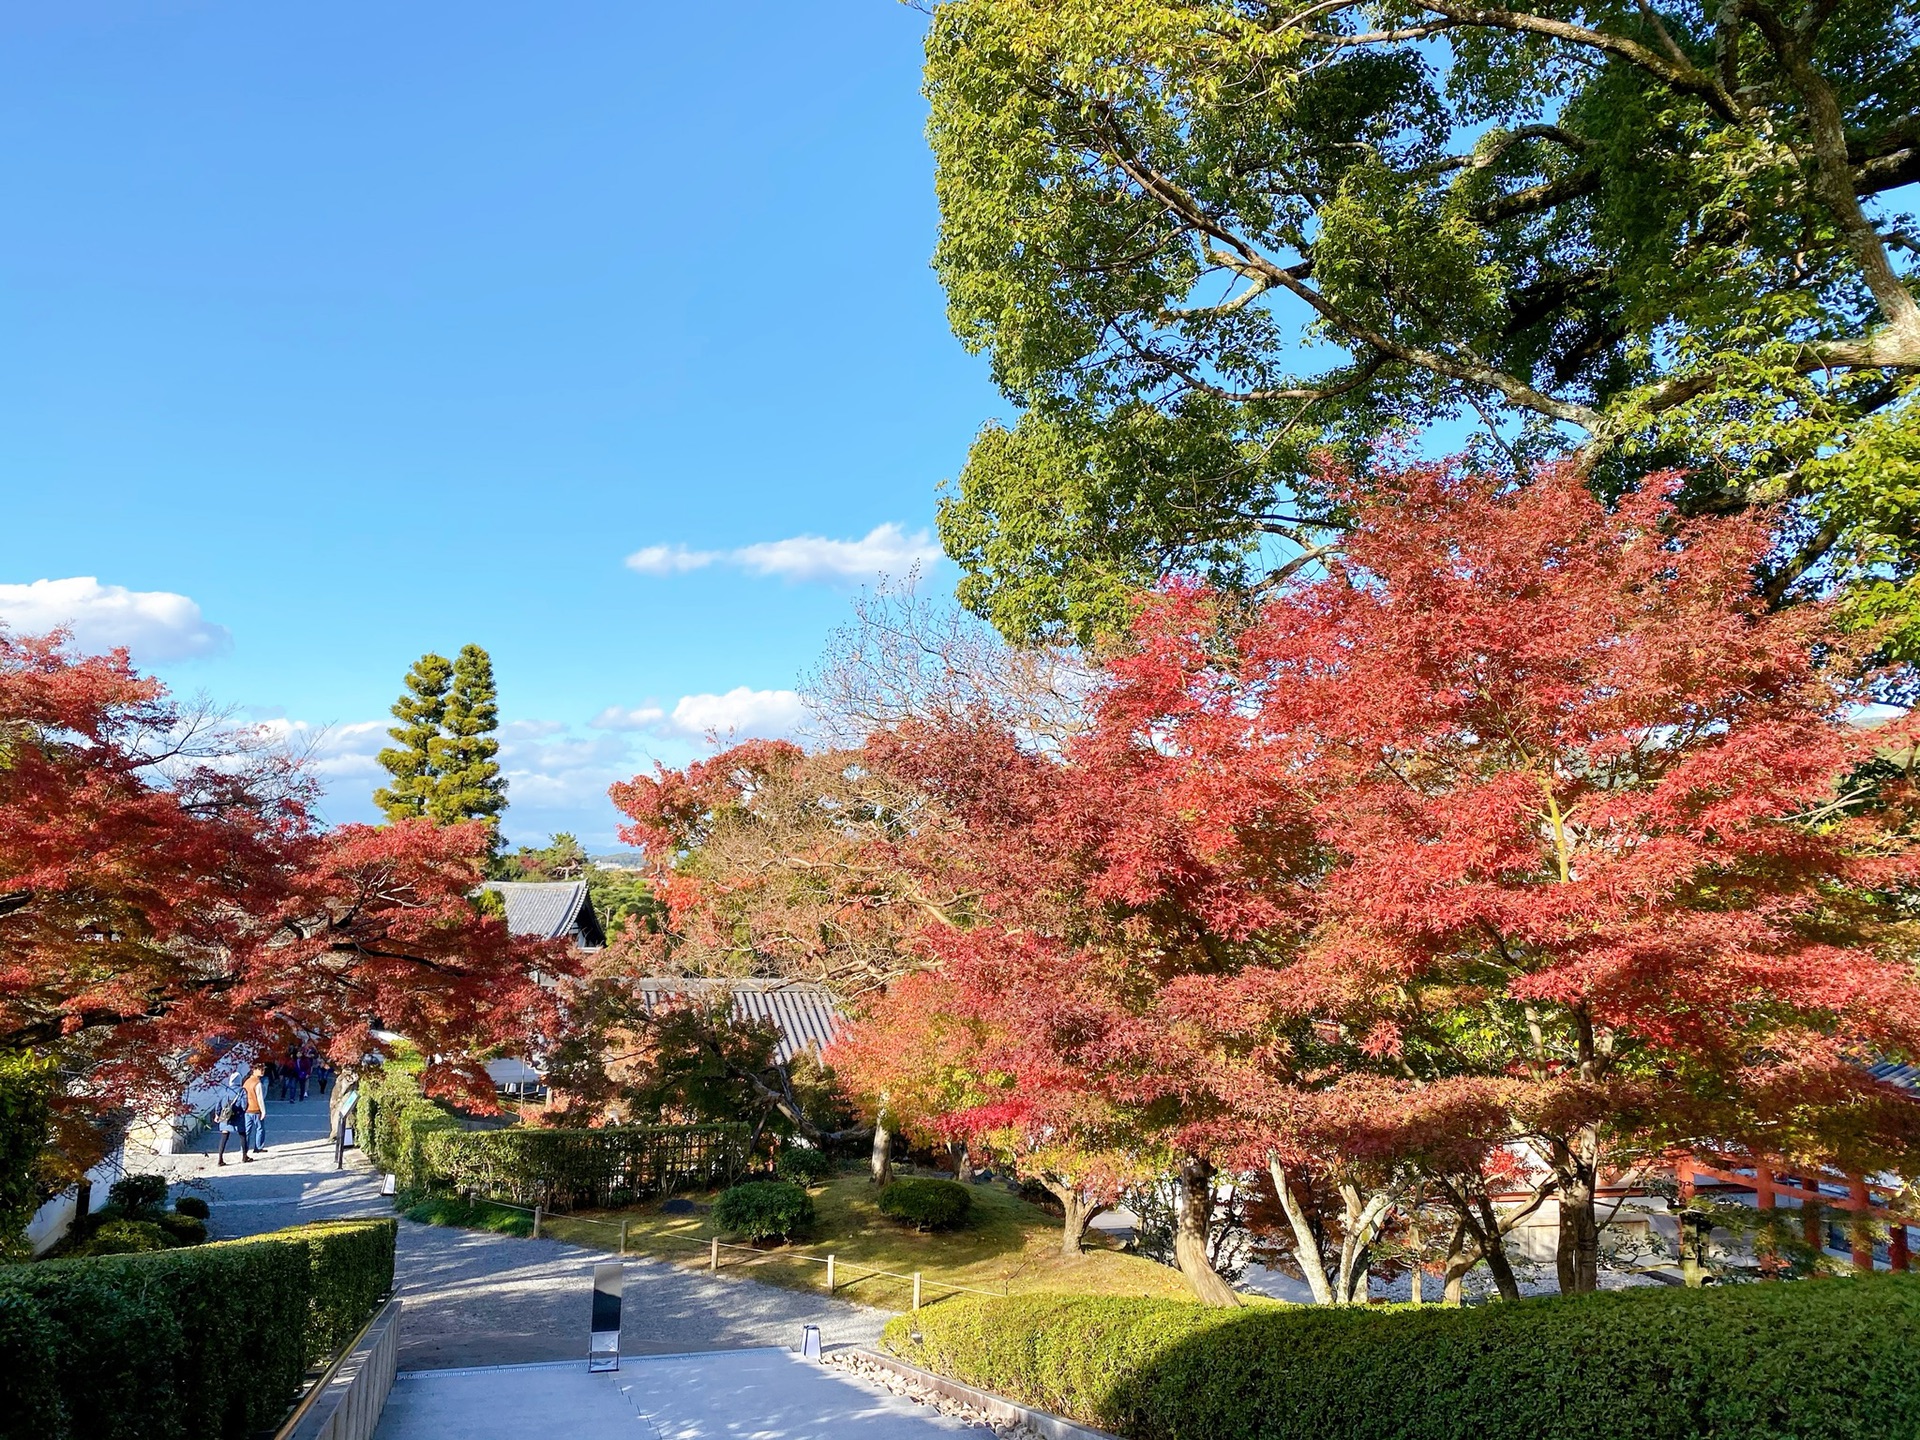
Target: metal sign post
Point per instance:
(603, 1348)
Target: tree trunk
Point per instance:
(1695, 1229)
(1192, 1226)
(1494, 1247)
(1079, 1213)
(882, 1153)
(1416, 1243)
(1306, 1244)
(1481, 1234)
(1365, 1215)
(957, 1157)
(1461, 1258)
(1577, 1257)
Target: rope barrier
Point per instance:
(714, 1246)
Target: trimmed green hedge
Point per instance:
(927, 1204)
(427, 1150)
(613, 1165)
(396, 1124)
(1834, 1359)
(209, 1343)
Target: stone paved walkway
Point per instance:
(762, 1394)
(472, 1298)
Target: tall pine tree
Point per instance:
(468, 784)
(421, 711)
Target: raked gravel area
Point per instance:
(472, 1298)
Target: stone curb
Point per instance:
(998, 1406)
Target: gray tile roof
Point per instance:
(549, 909)
(805, 1015)
(1907, 1077)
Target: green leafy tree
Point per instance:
(1204, 243)
(27, 1085)
(421, 711)
(468, 784)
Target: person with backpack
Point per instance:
(256, 1120)
(230, 1113)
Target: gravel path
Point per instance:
(476, 1298)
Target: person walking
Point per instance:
(256, 1112)
(303, 1069)
(230, 1112)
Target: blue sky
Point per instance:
(333, 334)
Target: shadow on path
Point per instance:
(476, 1298)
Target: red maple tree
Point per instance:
(165, 892)
(1528, 830)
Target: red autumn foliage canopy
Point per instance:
(1529, 824)
(164, 887)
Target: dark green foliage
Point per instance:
(611, 1165)
(182, 1229)
(126, 1237)
(421, 712)
(1820, 1360)
(927, 1204)
(135, 1193)
(350, 1267)
(1207, 245)
(31, 1406)
(209, 1343)
(118, 1348)
(26, 1090)
(763, 1210)
(802, 1164)
(191, 1205)
(396, 1123)
(468, 784)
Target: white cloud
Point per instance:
(738, 714)
(156, 625)
(671, 559)
(336, 752)
(884, 550)
(642, 717)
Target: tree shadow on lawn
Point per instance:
(1006, 1245)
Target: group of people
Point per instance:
(242, 1106)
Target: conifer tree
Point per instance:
(421, 711)
(467, 781)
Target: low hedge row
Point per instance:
(427, 1150)
(397, 1125)
(209, 1343)
(1814, 1360)
(613, 1165)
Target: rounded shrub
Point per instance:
(134, 1193)
(803, 1165)
(191, 1205)
(127, 1237)
(927, 1204)
(183, 1229)
(764, 1210)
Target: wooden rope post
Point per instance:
(537, 1213)
(623, 1239)
(916, 1289)
(713, 1254)
(829, 1274)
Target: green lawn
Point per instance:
(1006, 1247)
